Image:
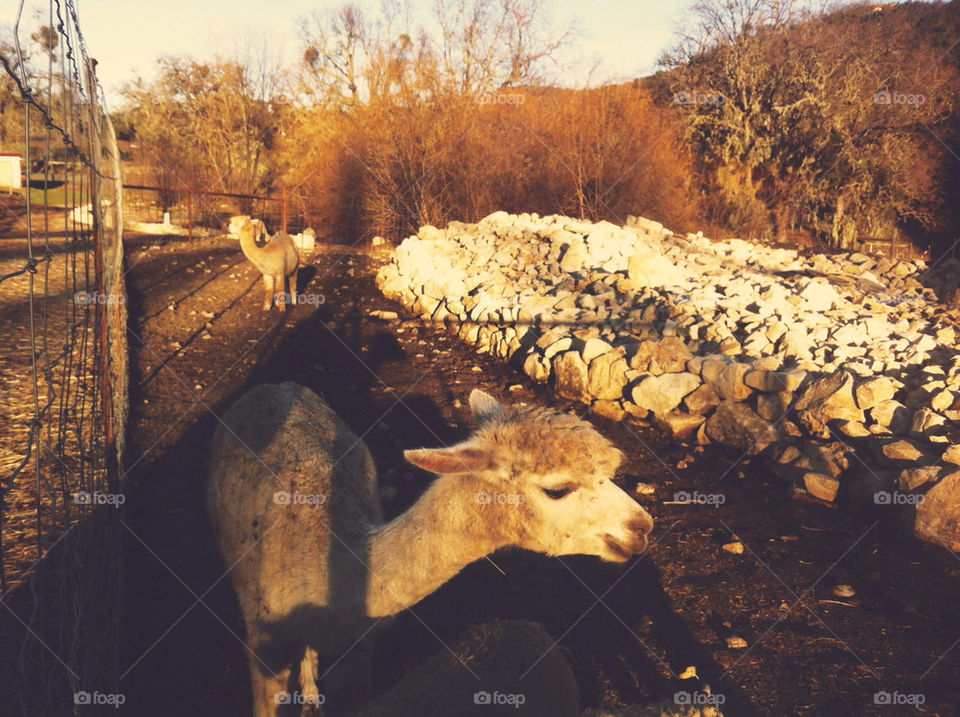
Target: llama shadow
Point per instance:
(305, 275)
(595, 610)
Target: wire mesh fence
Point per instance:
(64, 376)
(200, 212)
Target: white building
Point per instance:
(10, 179)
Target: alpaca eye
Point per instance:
(557, 493)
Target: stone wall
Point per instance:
(842, 372)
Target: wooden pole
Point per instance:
(283, 209)
(99, 268)
(190, 214)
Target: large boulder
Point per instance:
(893, 415)
(701, 401)
(536, 367)
(937, 518)
(735, 424)
(819, 295)
(576, 257)
(571, 376)
(668, 355)
(680, 424)
(727, 381)
(874, 391)
(821, 486)
(829, 399)
(607, 375)
(661, 394)
(648, 269)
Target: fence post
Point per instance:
(189, 214)
(99, 262)
(283, 209)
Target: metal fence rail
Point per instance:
(64, 366)
(190, 208)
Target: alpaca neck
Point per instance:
(419, 551)
(248, 245)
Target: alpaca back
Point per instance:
(278, 258)
(285, 472)
(291, 256)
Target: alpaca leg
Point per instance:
(280, 284)
(267, 291)
(348, 682)
(292, 281)
(270, 693)
(308, 677)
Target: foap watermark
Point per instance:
(282, 497)
(513, 699)
(914, 699)
(309, 299)
(298, 698)
(698, 98)
(886, 97)
(90, 298)
(484, 497)
(86, 498)
(897, 497)
(500, 98)
(698, 698)
(714, 500)
(101, 699)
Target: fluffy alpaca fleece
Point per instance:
(293, 500)
(538, 440)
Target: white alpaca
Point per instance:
(277, 262)
(293, 500)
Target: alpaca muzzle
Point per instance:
(635, 542)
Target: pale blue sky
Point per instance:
(621, 38)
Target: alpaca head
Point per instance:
(545, 479)
(251, 228)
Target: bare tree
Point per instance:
(208, 125)
(487, 45)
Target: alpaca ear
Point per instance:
(444, 461)
(484, 406)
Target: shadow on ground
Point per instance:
(184, 635)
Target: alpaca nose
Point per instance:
(642, 524)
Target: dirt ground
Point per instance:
(199, 339)
(56, 316)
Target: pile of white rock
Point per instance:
(841, 371)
